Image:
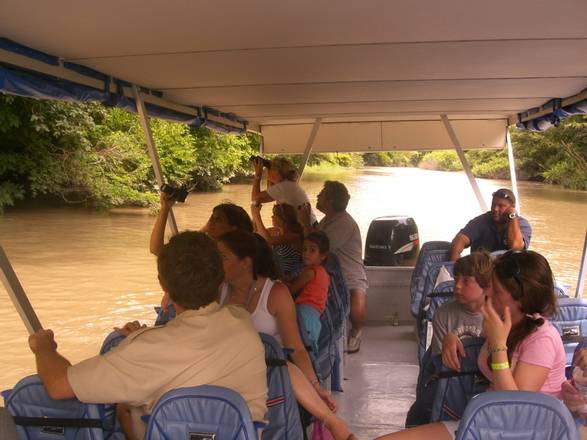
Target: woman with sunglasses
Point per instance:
(522, 351)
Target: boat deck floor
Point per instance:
(380, 381)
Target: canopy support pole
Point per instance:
(582, 270)
(17, 295)
(466, 167)
(309, 146)
(152, 150)
(512, 163)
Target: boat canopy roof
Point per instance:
(376, 74)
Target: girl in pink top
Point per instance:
(310, 288)
(522, 350)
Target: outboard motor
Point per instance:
(392, 241)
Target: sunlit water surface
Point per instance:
(86, 272)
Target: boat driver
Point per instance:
(501, 228)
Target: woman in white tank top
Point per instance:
(248, 273)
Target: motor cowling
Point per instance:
(392, 241)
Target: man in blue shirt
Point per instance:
(499, 229)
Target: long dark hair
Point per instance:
(246, 244)
(527, 276)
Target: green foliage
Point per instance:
(491, 164)
(558, 155)
(86, 153)
(440, 160)
(391, 159)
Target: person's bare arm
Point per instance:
(51, 366)
(302, 279)
(258, 196)
(460, 242)
(158, 232)
(514, 236)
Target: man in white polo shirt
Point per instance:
(204, 345)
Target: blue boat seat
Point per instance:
(431, 252)
(282, 408)
(571, 322)
(38, 417)
(520, 415)
(441, 294)
(204, 412)
(455, 389)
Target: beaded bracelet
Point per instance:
(500, 366)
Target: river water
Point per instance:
(86, 272)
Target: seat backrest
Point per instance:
(520, 415)
(455, 389)
(282, 409)
(38, 417)
(571, 323)
(421, 410)
(204, 412)
(443, 293)
(431, 252)
(338, 302)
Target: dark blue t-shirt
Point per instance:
(483, 233)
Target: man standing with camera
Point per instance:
(499, 229)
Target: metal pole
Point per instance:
(512, 163)
(309, 145)
(466, 167)
(17, 295)
(582, 271)
(152, 150)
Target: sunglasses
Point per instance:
(502, 195)
(511, 267)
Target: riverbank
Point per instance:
(94, 156)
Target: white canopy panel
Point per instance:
(377, 136)
(357, 65)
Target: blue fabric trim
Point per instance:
(14, 47)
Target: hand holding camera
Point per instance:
(173, 193)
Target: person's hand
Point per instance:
(275, 231)
(130, 327)
(495, 328)
(304, 212)
(256, 208)
(452, 347)
(571, 396)
(42, 340)
(258, 166)
(165, 301)
(166, 202)
(581, 359)
(327, 398)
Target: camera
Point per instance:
(266, 162)
(178, 194)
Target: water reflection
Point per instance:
(87, 272)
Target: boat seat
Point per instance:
(520, 415)
(204, 412)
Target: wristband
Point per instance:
(500, 366)
(315, 381)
